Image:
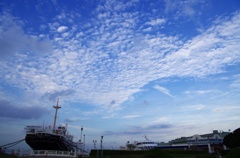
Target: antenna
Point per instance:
(55, 117)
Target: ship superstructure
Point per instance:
(142, 145)
(50, 138)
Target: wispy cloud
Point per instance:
(128, 68)
(156, 22)
(9, 110)
(236, 82)
(141, 130)
(183, 8)
(72, 119)
(225, 109)
(194, 107)
(62, 28)
(54, 95)
(163, 90)
(202, 92)
(23, 42)
(130, 116)
(160, 120)
(105, 60)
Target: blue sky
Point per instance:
(122, 69)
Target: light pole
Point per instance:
(94, 144)
(101, 146)
(81, 135)
(84, 142)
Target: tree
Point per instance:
(131, 146)
(234, 153)
(157, 153)
(232, 140)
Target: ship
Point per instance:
(142, 145)
(55, 138)
(145, 145)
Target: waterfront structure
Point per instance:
(145, 145)
(216, 137)
(52, 139)
(141, 145)
(210, 141)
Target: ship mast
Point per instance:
(55, 117)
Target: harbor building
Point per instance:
(216, 137)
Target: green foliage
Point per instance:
(187, 152)
(205, 156)
(232, 140)
(156, 153)
(234, 153)
(224, 152)
(131, 146)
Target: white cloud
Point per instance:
(62, 28)
(182, 8)
(202, 92)
(14, 40)
(209, 52)
(72, 119)
(159, 120)
(193, 107)
(110, 62)
(65, 34)
(225, 109)
(130, 116)
(163, 90)
(236, 82)
(188, 10)
(108, 59)
(156, 22)
(147, 29)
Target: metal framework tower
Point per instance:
(55, 117)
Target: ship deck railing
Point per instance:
(48, 130)
(52, 153)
